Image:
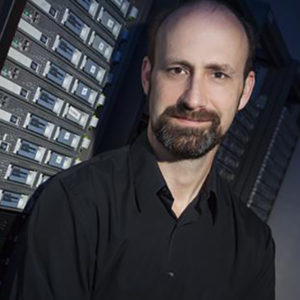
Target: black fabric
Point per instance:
(104, 230)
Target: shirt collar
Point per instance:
(148, 179)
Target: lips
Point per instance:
(181, 113)
(199, 120)
(193, 116)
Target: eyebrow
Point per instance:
(181, 62)
(220, 67)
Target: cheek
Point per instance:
(228, 116)
(226, 106)
(162, 95)
(168, 90)
(156, 103)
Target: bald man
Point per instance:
(153, 220)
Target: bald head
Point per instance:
(214, 12)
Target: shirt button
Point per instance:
(171, 274)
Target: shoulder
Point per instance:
(85, 181)
(256, 250)
(95, 171)
(255, 230)
(253, 227)
(100, 163)
(251, 230)
(254, 244)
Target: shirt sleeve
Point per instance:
(263, 287)
(56, 253)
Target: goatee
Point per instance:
(186, 142)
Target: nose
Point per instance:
(194, 96)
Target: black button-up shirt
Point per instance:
(104, 230)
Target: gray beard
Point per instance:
(187, 142)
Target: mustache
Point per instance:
(203, 115)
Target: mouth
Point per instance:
(192, 122)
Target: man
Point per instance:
(153, 220)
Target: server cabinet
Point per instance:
(61, 62)
(256, 152)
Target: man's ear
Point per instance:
(146, 74)
(247, 91)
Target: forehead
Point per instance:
(196, 31)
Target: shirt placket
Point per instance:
(173, 274)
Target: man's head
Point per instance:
(197, 78)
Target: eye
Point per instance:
(220, 75)
(177, 71)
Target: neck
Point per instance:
(183, 177)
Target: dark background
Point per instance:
(287, 13)
(285, 216)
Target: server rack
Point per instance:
(261, 140)
(61, 62)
